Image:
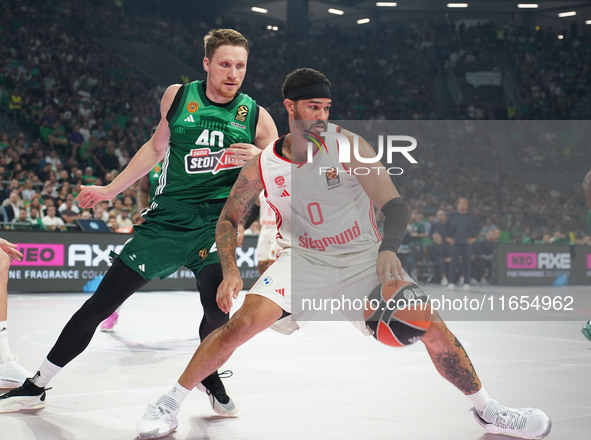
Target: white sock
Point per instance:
(479, 399)
(5, 353)
(174, 397)
(46, 372)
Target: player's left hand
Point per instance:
(242, 153)
(388, 266)
(10, 250)
(228, 290)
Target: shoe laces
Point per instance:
(155, 412)
(224, 374)
(215, 387)
(507, 418)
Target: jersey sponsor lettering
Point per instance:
(203, 160)
(320, 244)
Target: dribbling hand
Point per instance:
(388, 266)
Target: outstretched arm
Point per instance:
(143, 161)
(242, 196)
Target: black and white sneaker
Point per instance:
(528, 423)
(221, 403)
(27, 396)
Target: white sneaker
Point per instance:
(484, 282)
(444, 282)
(474, 282)
(158, 421)
(12, 374)
(528, 423)
(466, 286)
(451, 286)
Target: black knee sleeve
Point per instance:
(118, 284)
(208, 281)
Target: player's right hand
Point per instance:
(228, 291)
(90, 195)
(11, 250)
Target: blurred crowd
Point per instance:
(84, 112)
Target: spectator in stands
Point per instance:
(488, 226)
(35, 219)
(54, 160)
(68, 211)
(462, 230)
(88, 178)
(98, 213)
(483, 256)
(51, 221)
(75, 140)
(112, 222)
(439, 225)
(123, 220)
(116, 209)
(11, 206)
(21, 221)
(438, 254)
(28, 191)
(110, 161)
(58, 136)
(35, 203)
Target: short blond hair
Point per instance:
(216, 38)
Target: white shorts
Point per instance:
(312, 290)
(267, 248)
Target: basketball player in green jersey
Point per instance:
(205, 135)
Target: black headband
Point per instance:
(309, 91)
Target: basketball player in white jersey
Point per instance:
(267, 248)
(328, 239)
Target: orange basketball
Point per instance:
(398, 313)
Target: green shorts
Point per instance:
(173, 234)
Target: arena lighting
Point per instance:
(561, 37)
(457, 5)
(567, 14)
(588, 22)
(259, 10)
(335, 11)
(363, 21)
(528, 5)
(386, 4)
(272, 28)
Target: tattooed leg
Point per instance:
(450, 358)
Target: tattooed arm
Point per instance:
(243, 195)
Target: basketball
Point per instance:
(398, 313)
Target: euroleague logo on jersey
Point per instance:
(202, 160)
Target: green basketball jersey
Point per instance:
(196, 167)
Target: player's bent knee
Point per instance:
(398, 313)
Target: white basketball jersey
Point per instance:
(322, 210)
